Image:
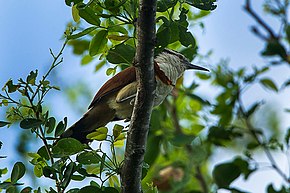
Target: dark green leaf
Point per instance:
(110, 190)
(3, 123)
(90, 189)
(254, 107)
(70, 169)
(79, 46)
(59, 129)
(11, 87)
(287, 137)
(66, 147)
(32, 77)
(50, 124)
(274, 48)
(122, 53)
(30, 123)
(163, 35)
(88, 14)
(74, 190)
(72, 2)
(43, 153)
(182, 139)
(271, 189)
(224, 174)
(206, 5)
(11, 189)
(269, 84)
(164, 5)
(98, 43)
(88, 158)
(82, 33)
(26, 190)
(49, 172)
(18, 172)
(288, 32)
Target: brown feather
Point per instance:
(116, 83)
(161, 75)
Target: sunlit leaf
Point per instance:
(82, 33)
(100, 134)
(75, 14)
(98, 43)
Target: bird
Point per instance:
(115, 99)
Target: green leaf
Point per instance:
(110, 190)
(98, 43)
(32, 77)
(86, 59)
(274, 48)
(49, 172)
(287, 29)
(117, 37)
(26, 190)
(60, 127)
(163, 35)
(70, 169)
(4, 123)
(88, 158)
(30, 123)
(66, 147)
(90, 189)
(287, 137)
(100, 65)
(18, 172)
(224, 174)
(88, 14)
(164, 5)
(122, 53)
(82, 33)
(11, 87)
(182, 139)
(117, 130)
(75, 13)
(72, 2)
(269, 84)
(110, 71)
(50, 124)
(100, 134)
(38, 170)
(43, 153)
(206, 5)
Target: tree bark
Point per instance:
(137, 135)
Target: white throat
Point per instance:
(170, 65)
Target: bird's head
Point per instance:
(173, 64)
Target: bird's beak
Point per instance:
(194, 67)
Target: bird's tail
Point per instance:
(94, 118)
(78, 130)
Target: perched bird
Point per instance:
(115, 99)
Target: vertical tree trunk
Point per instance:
(137, 136)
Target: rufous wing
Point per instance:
(117, 82)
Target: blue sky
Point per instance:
(29, 28)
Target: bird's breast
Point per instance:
(162, 90)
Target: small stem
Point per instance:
(201, 179)
(249, 9)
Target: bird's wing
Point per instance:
(127, 93)
(117, 82)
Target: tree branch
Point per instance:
(137, 136)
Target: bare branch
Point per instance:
(137, 136)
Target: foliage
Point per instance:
(186, 129)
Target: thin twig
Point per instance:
(249, 9)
